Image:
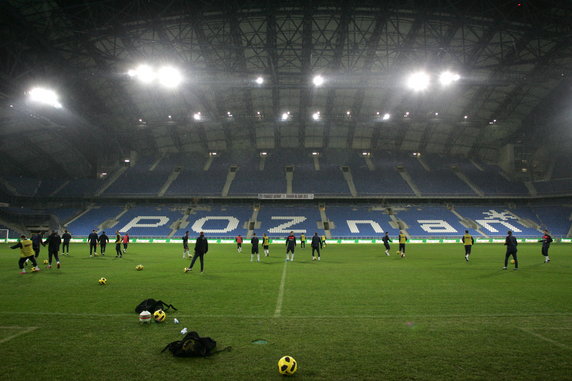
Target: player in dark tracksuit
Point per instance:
(66, 238)
(201, 248)
(511, 244)
(254, 250)
(186, 245)
(103, 240)
(54, 241)
(316, 244)
(290, 246)
(37, 243)
(546, 241)
(92, 239)
(386, 240)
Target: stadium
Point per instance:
(425, 119)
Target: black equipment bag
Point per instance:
(153, 305)
(193, 345)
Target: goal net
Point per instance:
(4, 235)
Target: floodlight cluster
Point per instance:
(168, 76)
(44, 96)
(420, 81)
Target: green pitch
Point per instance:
(356, 314)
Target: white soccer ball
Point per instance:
(145, 317)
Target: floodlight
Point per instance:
(406, 114)
(145, 73)
(386, 116)
(316, 115)
(318, 80)
(132, 73)
(170, 117)
(366, 154)
(315, 154)
(259, 80)
(348, 113)
(263, 153)
(418, 81)
(45, 96)
(466, 117)
(446, 78)
(127, 161)
(170, 77)
(197, 116)
(212, 153)
(285, 116)
(436, 114)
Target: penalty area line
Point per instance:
(278, 310)
(544, 338)
(20, 333)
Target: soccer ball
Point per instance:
(139, 267)
(102, 281)
(159, 316)
(512, 261)
(186, 269)
(145, 317)
(45, 261)
(287, 366)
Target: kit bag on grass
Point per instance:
(153, 305)
(192, 345)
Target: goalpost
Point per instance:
(4, 235)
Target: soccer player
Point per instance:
(201, 248)
(402, 239)
(386, 240)
(66, 238)
(323, 244)
(186, 245)
(468, 241)
(266, 244)
(254, 242)
(546, 240)
(125, 242)
(103, 240)
(54, 241)
(290, 246)
(511, 244)
(302, 240)
(37, 243)
(118, 253)
(26, 253)
(238, 241)
(316, 244)
(92, 239)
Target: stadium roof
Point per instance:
(514, 59)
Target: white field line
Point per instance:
(23, 331)
(280, 299)
(544, 338)
(325, 317)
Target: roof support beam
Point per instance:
(305, 89)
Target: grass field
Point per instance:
(355, 315)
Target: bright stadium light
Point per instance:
(318, 80)
(170, 77)
(446, 78)
(285, 116)
(418, 81)
(45, 96)
(386, 116)
(132, 73)
(197, 116)
(259, 80)
(316, 115)
(145, 73)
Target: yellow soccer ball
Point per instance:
(139, 267)
(287, 366)
(159, 316)
(45, 261)
(512, 261)
(102, 281)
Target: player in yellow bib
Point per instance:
(468, 242)
(26, 253)
(266, 244)
(402, 240)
